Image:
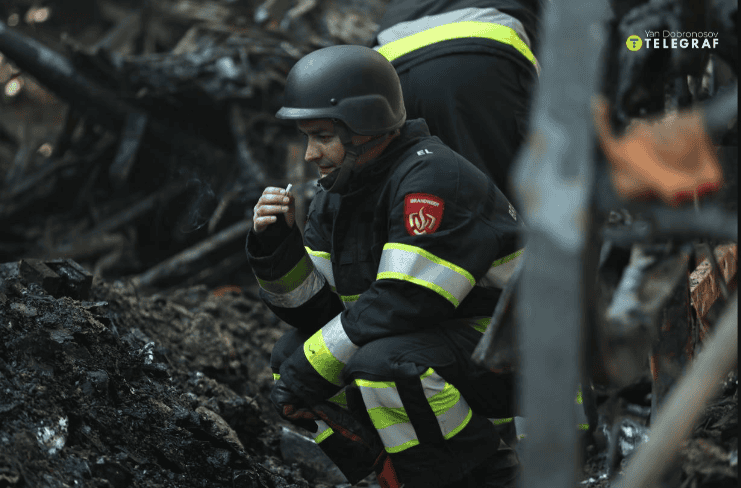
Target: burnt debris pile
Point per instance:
(162, 135)
(111, 389)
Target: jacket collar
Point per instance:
(377, 169)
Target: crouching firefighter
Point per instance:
(404, 252)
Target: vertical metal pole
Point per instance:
(553, 181)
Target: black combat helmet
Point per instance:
(354, 84)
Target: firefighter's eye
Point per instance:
(325, 139)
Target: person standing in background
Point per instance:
(467, 67)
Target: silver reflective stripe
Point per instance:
(410, 263)
(323, 263)
(337, 341)
(389, 417)
(491, 15)
(501, 271)
(398, 437)
(295, 298)
(453, 421)
(375, 397)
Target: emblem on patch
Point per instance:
(422, 213)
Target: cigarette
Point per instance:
(288, 188)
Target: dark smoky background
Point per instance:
(133, 131)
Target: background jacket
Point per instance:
(420, 237)
(408, 16)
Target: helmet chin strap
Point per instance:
(337, 180)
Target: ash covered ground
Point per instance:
(123, 390)
(116, 389)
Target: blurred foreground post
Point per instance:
(553, 182)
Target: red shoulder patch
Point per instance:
(422, 213)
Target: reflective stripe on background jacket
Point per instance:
(420, 237)
(413, 31)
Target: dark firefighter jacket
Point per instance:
(420, 236)
(414, 31)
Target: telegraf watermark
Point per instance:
(667, 39)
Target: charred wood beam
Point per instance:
(126, 30)
(75, 244)
(554, 179)
(59, 75)
(684, 407)
(179, 264)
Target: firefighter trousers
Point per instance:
(428, 402)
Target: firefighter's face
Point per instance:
(323, 145)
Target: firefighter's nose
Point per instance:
(312, 153)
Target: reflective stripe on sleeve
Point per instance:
(501, 270)
(294, 288)
(323, 263)
(391, 420)
(329, 349)
(414, 264)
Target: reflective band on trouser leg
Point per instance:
(323, 263)
(391, 420)
(322, 432)
(329, 349)
(349, 300)
(457, 30)
(414, 264)
(294, 288)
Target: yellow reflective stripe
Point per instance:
(349, 298)
(375, 384)
(276, 376)
(328, 349)
(445, 400)
(457, 30)
(507, 259)
(291, 280)
(383, 417)
(427, 373)
(501, 421)
(582, 426)
(340, 399)
(318, 254)
(578, 396)
(323, 435)
(481, 324)
(322, 432)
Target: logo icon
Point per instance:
(634, 43)
(422, 213)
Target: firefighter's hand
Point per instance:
(292, 408)
(273, 202)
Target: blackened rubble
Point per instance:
(114, 391)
